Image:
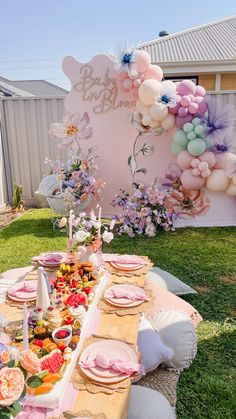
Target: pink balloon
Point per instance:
(197, 99)
(185, 100)
(193, 108)
(206, 173)
(195, 163)
(137, 82)
(184, 159)
(143, 61)
(208, 157)
(200, 91)
(128, 84)
(203, 166)
(202, 107)
(153, 72)
(186, 87)
(196, 172)
(174, 109)
(183, 111)
(191, 182)
(181, 120)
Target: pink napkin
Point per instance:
(126, 259)
(52, 257)
(123, 367)
(131, 295)
(24, 287)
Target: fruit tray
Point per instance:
(52, 399)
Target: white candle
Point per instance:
(25, 328)
(99, 221)
(71, 217)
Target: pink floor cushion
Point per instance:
(167, 300)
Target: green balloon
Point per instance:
(196, 147)
(180, 138)
(199, 130)
(196, 121)
(188, 127)
(176, 148)
(191, 135)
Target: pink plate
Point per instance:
(124, 302)
(126, 266)
(16, 294)
(110, 348)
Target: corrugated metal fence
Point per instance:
(24, 141)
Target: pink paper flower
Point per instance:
(188, 204)
(11, 385)
(30, 362)
(74, 128)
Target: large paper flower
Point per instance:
(188, 204)
(74, 128)
(11, 385)
(125, 57)
(219, 120)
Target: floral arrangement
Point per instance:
(143, 212)
(88, 230)
(77, 178)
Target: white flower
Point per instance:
(150, 230)
(62, 223)
(107, 236)
(148, 220)
(168, 93)
(136, 120)
(80, 236)
(125, 57)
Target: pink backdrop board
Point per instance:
(94, 90)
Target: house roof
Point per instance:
(35, 87)
(8, 90)
(215, 41)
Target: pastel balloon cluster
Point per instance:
(155, 113)
(142, 70)
(207, 170)
(190, 102)
(191, 137)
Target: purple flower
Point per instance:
(219, 119)
(222, 146)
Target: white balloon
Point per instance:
(148, 91)
(146, 120)
(217, 181)
(168, 122)
(146, 110)
(158, 111)
(231, 190)
(155, 124)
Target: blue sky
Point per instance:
(35, 35)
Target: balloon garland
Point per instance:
(201, 141)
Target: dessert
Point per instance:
(77, 312)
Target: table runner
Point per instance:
(125, 328)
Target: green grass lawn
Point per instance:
(204, 258)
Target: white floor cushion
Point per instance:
(145, 403)
(169, 282)
(153, 351)
(178, 332)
